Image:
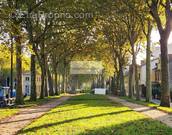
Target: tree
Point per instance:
(117, 40)
(130, 19)
(162, 14)
(16, 30)
(147, 32)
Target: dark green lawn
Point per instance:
(94, 115)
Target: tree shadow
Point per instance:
(65, 110)
(137, 127)
(70, 120)
(90, 100)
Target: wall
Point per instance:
(143, 71)
(28, 83)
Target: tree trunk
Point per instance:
(50, 83)
(56, 85)
(33, 95)
(114, 84)
(64, 79)
(63, 82)
(165, 90)
(19, 93)
(59, 83)
(148, 65)
(131, 88)
(117, 83)
(110, 84)
(137, 82)
(135, 79)
(42, 94)
(122, 84)
(45, 86)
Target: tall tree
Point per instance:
(162, 14)
(147, 29)
(132, 23)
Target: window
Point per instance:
(27, 78)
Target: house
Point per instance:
(26, 83)
(154, 64)
(155, 72)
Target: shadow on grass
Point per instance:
(137, 127)
(66, 110)
(70, 120)
(90, 100)
(16, 121)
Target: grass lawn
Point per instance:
(9, 111)
(6, 112)
(39, 101)
(165, 109)
(94, 115)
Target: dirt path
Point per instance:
(150, 112)
(12, 125)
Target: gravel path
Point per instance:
(12, 125)
(148, 111)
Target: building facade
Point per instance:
(26, 83)
(156, 71)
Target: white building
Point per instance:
(26, 83)
(154, 64)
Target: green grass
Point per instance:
(6, 112)
(165, 109)
(9, 111)
(29, 103)
(94, 115)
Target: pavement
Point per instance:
(12, 125)
(148, 111)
